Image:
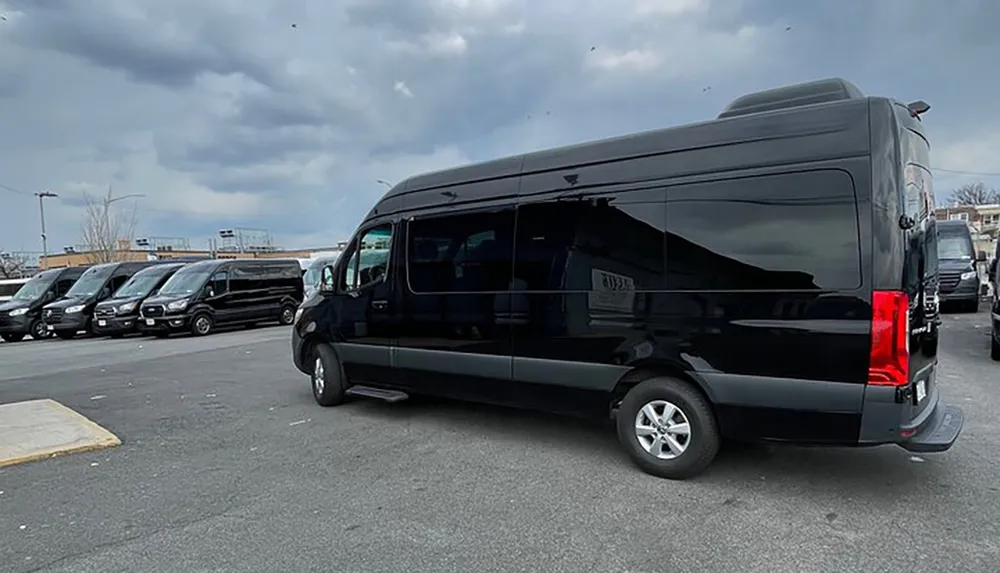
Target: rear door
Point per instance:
(921, 273)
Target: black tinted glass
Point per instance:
(781, 232)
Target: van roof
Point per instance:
(833, 109)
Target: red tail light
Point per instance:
(890, 350)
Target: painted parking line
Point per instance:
(39, 429)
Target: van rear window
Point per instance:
(795, 231)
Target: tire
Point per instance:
(971, 306)
(327, 379)
(994, 349)
(287, 315)
(12, 337)
(38, 331)
(66, 334)
(930, 345)
(202, 324)
(697, 449)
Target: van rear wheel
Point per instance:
(668, 428)
(287, 315)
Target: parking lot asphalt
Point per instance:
(228, 465)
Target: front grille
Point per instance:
(152, 310)
(54, 315)
(949, 281)
(105, 312)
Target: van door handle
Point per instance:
(380, 304)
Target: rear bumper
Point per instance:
(939, 432)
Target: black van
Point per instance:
(22, 315)
(760, 276)
(74, 311)
(224, 292)
(957, 261)
(994, 273)
(119, 315)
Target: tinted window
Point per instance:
(615, 243)
(461, 253)
(781, 232)
(371, 261)
(244, 278)
(918, 180)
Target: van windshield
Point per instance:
(36, 287)
(91, 282)
(139, 285)
(187, 281)
(954, 247)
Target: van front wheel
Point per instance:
(668, 428)
(327, 377)
(201, 324)
(287, 315)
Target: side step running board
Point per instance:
(391, 396)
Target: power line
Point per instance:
(13, 190)
(959, 172)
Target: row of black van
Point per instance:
(152, 297)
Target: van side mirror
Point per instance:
(326, 283)
(981, 257)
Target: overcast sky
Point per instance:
(283, 114)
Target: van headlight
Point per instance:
(177, 305)
(127, 307)
(75, 308)
(17, 312)
(968, 275)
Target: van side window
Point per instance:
(461, 253)
(241, 279)
(617, 243)
(795, 231)
(369, 262)
(118, 281)
(219, 282)
(63, 286)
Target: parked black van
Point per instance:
(957, 260)
(22, 315)
(759, 276)
(74, 312)
(994, 273)
(224, 292)
(119, 315)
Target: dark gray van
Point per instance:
(957, 263)
(206, 294)
(74, 311)
(760, 276)
(22, 315)
(119, 315)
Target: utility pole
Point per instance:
(41, 211)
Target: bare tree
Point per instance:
(12, 266)
(107, 231)
(975, 193)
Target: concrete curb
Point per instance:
(94, 436)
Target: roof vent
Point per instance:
(798, 95)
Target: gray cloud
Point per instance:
(224, 111)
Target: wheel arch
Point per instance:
(658, 369)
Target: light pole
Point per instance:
(41, 212)
(384, 182)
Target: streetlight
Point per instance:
(41, 211)
(384, 182)
(133, 195)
